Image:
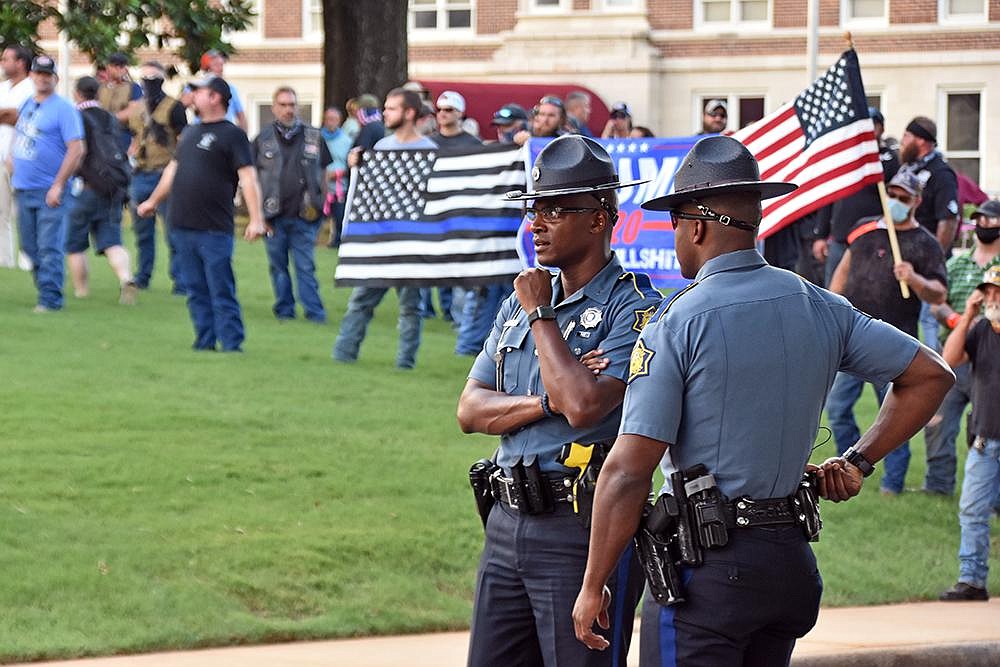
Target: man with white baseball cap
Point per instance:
(449, 111)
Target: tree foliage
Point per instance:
(100, 28)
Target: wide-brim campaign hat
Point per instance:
(717, 165)
(569, 165)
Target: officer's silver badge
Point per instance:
(590, 318)
(535, 174)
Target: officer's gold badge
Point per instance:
(642, 318)
(639, 363)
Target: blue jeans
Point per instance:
(207, 270)
(478, 314)
(143, 184)
(43, 240)
(297, 237)
(445, 297)
(979, 490)
(929, 328)
(361, 309)
(844, 393)
(940, 438)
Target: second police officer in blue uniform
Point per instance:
(530, 387)
(732, 374)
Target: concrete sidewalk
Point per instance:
(917, 635)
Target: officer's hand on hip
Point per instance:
(533, 288)
(838, 480)
(592, 606)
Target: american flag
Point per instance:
(823, 141)
(421, 218)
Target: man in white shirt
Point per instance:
(14, 90)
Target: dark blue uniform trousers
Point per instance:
(529, 576)
(745, 606)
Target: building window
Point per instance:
(252, 33)
(864, 12)
(312, 17)
(715, 13)
(962, 132)
(440, 14)
(618, 4)
(959, 11)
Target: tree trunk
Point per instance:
(364, 48)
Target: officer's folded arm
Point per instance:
(622, 488)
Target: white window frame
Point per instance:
(731, 25)
(701, 97)
(848, 21)
(625, 6)
(442, 28)
(945, 18)
(532, 7)
(968, 89)
(308, 32)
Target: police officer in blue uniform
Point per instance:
(732, 374)
(530, 387)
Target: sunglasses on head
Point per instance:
(551, 99)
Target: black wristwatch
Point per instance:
(856, 459)
(542, 313)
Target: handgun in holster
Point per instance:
(656, 545)
(481, 479)
(586, 461)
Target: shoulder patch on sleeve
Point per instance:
(642, 318)
(953, 207)
(639, 363)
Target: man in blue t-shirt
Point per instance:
(47, 149)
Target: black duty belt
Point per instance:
(508, 492)
(747, 513)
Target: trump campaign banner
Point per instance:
(643, 240)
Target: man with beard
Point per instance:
(290, 157)
(977, 342)
(938, 212)
(714, 117)
(532, 385)
(965, 270)
(547, 120)
(402, 107)
(155, 128)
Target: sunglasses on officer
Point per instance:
(706, 213)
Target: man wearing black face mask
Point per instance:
(965, 271)
(291, 157)
(155, 131)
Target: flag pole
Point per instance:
(890, 225)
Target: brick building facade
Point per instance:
(666, 57)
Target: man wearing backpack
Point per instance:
(101, 185)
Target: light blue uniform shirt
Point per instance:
(607, 313)
(735, 372)
(39, 148)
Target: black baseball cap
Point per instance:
(214, 83)
(43, 65)
(118, 59)
(508, 114)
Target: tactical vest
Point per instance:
(270, 164)
(114, 98)
(153, 155)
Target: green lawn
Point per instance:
(154, 497)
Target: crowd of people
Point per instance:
(70, 168)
